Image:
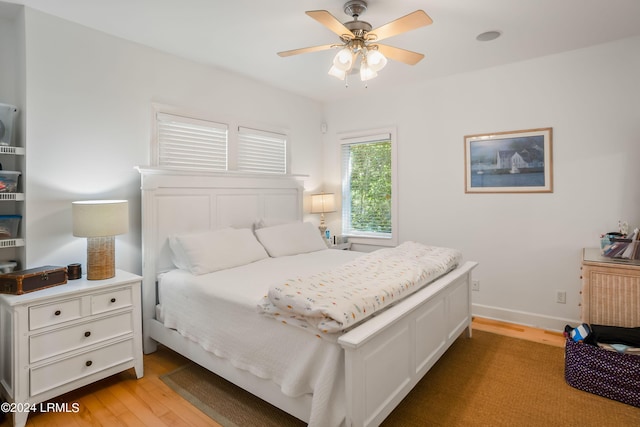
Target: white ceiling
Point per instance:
(243, 36)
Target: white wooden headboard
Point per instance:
(182, 201)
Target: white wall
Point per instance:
(88, 113)
(528, 245)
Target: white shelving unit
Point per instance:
(12, 158)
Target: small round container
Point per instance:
(74, 271)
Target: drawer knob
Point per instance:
(113, 300)
(87, 334)
(88, 363)
(58, 313)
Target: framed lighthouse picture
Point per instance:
(509, 162)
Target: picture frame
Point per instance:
(509, 162)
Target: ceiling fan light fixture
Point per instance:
(359, 41)
(376, 60)
(366, 72)
(343, 59)
(337, 73)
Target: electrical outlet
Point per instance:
(561, 297)
(475, 285)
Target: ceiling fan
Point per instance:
(359, 40)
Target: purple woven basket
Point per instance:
(603, 372)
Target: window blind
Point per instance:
(189, 143)
(261, 151)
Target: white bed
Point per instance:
(357, 380)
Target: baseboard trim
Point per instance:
(534, 320)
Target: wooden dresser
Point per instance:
(610, 290)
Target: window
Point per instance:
(182, 141)
(260, 151)
(188, 143)
(369, 188)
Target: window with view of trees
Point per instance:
(367, 186)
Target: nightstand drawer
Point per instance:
(57, 342)
(44, 315)
(111, 300)
(48, 377)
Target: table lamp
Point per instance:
(323, 203)
(99, 221)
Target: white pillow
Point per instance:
(269, 222)
(210, 251)
(291, 239)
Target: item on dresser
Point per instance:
(74, 271)
(33, 279)
(618, 245)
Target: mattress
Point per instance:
(219, 311)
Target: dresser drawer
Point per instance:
(74, 337)
(112, 300)
(44, 315)
(56, 374)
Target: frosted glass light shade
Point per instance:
(366, 72)
(376, 60)
(343, 59)
(338, 74)
(100, 218)
(323, 203)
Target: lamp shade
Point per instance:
(100, 218)
(323, 203)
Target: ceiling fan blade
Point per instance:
(331, 22)
(408, 22)
(401, 55)
(306, 50)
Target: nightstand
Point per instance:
(341, 246)
(58, 339)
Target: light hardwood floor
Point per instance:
(518, 331)
(122, 400)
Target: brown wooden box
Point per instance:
(33, 279)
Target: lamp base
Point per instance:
(101, 258)
(322, 226)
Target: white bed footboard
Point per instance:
(386, 356)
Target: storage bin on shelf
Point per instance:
(8, 114)
(9, 181)
(9, 226)
(7, 266)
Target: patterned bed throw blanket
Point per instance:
(334, 300)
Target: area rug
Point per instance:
(488, 380)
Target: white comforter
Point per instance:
(218, 311)
(335, 299)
